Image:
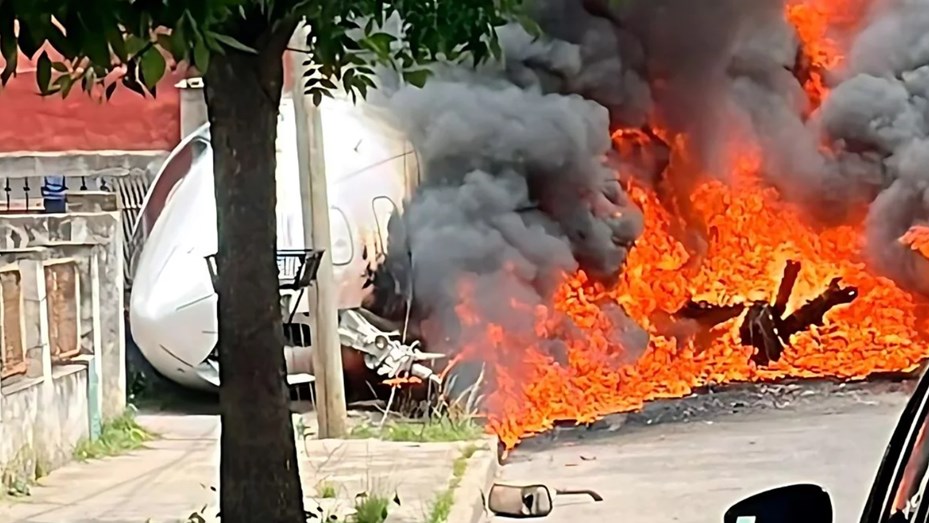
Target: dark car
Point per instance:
(897, 492)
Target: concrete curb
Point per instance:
(483, 466)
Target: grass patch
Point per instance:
(435, 430)
(117, 436)
(370, 508)
(326, 490)
(441, 506)
(440, 418)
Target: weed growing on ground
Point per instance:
(326, 490)
(441, 506)
(370, 508)
(17, 488)
(117, 436)
(433, 430)
(447, 419)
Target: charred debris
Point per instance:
(766, 326)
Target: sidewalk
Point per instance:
(170, 479)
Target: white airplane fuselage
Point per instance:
(370, 170)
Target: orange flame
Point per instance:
(574, 366)
(917, 238)
(402, 380)
(751, 235)
(823, 27)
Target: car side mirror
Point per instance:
(788, 504)
(513, 501)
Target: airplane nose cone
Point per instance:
(172, 312)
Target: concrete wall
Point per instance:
(48, 408)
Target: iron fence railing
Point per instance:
(24, 195)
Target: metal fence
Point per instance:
(23, 194)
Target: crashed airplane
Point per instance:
(172, 310)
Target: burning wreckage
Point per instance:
(652, 197)
(649, 198)
(764, 325)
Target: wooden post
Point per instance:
(327, 353)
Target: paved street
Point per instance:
(691, 472)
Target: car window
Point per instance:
(912, 480)
(901, 476)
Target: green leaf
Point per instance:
(133, 85)
(355, 59)
(65, 82)
(152, 66)
(529, 25)
(96, 47)
(347, 78)
(164, 41)
(368, 81)
(110, 89)
(67, 46)
(8, 49)
(229, 41)
(43, 74)
(61, 67)
(178, 39)
(201, 56)
(416, 77)
(117, 42)
(317, 97)
(213, 45)
(380, 43)
(88, 80)
(495, 49)
(28, 43)
(135, 45)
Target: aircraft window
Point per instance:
(343, 245)
(383, 208)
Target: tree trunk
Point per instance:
(259, 480)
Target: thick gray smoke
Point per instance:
(516, 187)
(874, 124)
(515, 190)
(884, 104)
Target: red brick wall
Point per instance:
(128, 122)
(29, 122)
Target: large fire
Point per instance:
(749, 233)
(823, 28)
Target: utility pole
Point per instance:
(327, 351)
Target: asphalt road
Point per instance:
(692, 471)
